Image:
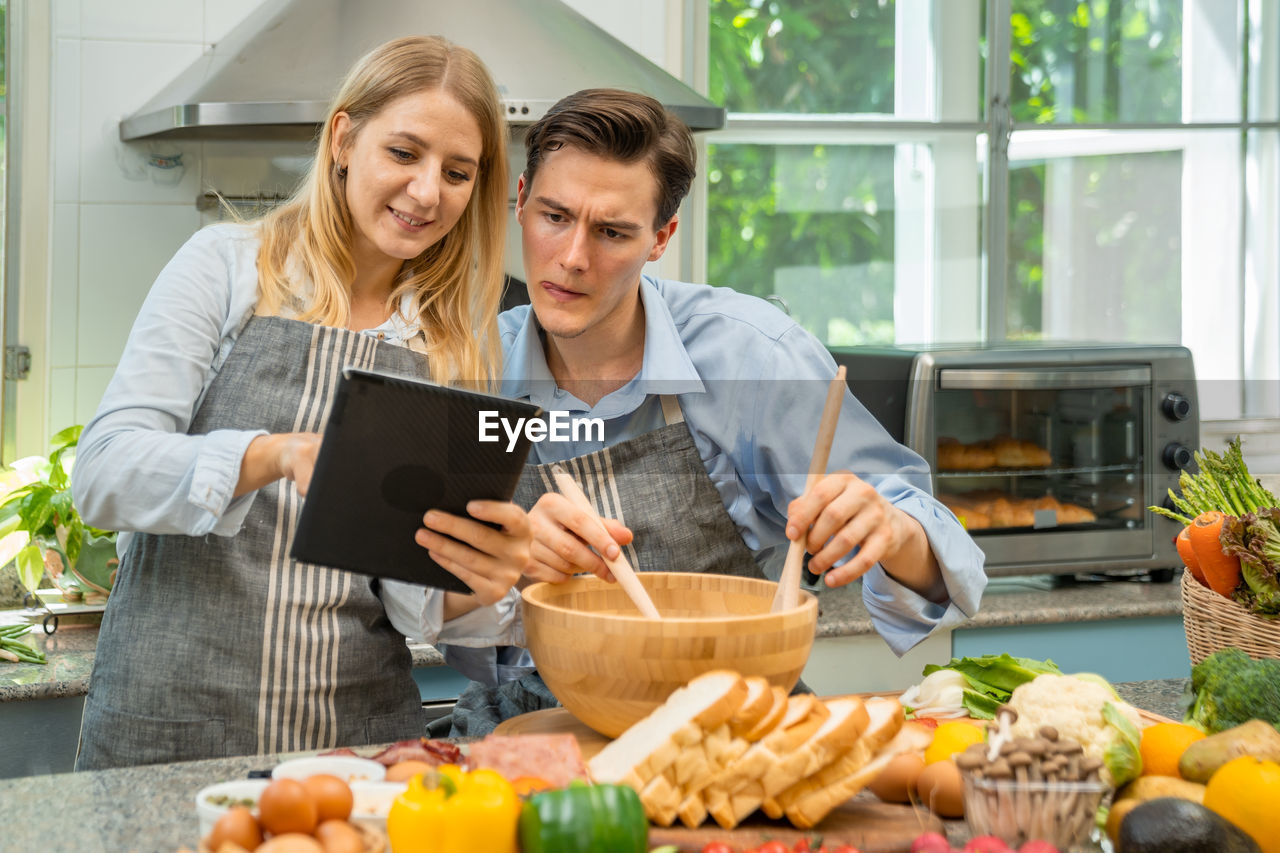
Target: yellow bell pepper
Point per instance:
(453, 811)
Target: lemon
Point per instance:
(1245, 791)
(950, 738)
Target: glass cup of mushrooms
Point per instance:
(1023, 789)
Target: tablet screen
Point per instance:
(394, 448)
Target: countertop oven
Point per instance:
(1049, 454)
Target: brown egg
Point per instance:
(291, 842)
(237, 825)
(285, 806)
(338, 836)
(941, 788)
(403, 771)
(897, 781)
(331, 795)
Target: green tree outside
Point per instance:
(815, 223)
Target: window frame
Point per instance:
(1248, 307)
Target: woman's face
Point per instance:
(410, 173)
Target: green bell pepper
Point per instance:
(583, 818)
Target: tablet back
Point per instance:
(393, 448)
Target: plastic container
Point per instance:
(372, 801)
(349, 769)
(214, 800)
(1062, 813)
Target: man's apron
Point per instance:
(656, 485)
(223, 645)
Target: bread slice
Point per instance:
(654, 743)
(806, 810)
(884, 719)
(720, 748)
(738, 790)
(759, 701)
(777, 708)
(844, 722)
(847, 719)
(661, 798)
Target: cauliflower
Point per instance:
(1087, 710)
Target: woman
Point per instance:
(388, 256)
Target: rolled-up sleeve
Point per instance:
(136, 469)
(418, 613)
(802, 371)
(902, 616)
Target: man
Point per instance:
(710, 401)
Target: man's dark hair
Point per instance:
(620, 125)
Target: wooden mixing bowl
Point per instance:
(609, 666)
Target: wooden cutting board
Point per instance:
(864, 822)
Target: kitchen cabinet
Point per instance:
(40, 736)
(1133, 649)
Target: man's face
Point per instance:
(587, 225)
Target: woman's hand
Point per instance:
(842, 511)
(488, 561)
(289, 456)
(563, 539)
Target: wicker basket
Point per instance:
(1214, 622)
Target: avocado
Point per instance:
(1173, 825)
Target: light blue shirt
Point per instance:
(137, 469)
(751, 384)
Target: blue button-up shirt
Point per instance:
(751, 384)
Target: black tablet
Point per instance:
(394, 448)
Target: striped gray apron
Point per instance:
(656, 485)
(223, 645)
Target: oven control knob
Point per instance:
(1176, 407)
(1177, 456)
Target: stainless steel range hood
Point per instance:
(274, 74)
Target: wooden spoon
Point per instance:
(619, 566)
(787, 595)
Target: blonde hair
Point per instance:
(457, 282)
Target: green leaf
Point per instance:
(979, 705)
(30, 565)
(67, 437)
(1122, 758)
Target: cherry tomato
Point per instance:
(802, 846)
(773, 847)
(845, 848)
(716, 847)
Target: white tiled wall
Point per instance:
(117, 211)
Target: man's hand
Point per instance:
(842, 511)
(563, 539)
(488, 561)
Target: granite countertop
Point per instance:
(152, 809)
(1035, 599)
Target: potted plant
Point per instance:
(41, 531)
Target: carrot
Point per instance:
(1188, 554)
(1221, 570)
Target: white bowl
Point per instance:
(347, 768)
(372, 800)
(237, 789)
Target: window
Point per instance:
(933, 171)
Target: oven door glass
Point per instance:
(1031, 458)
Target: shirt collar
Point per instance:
(666, 368)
